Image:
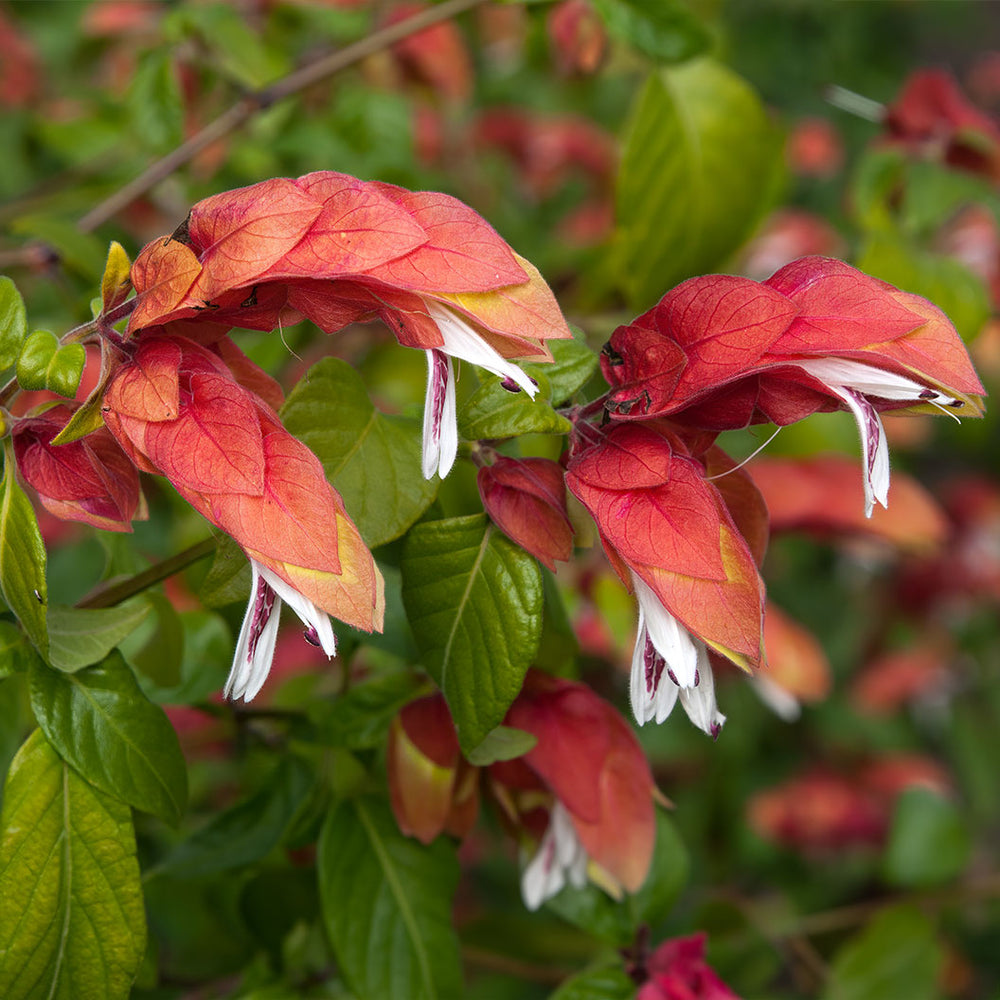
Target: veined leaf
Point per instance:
(13, 323)
(100, 722)
(81, 636)
(386, 902)
(474, 601)
(699, 150)
(493, 412)
(72, 923)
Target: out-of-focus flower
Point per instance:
(814, 148)
(902, 677)
(577, 36)
(932, 118)
(797, 670)
(581, 800)
(785, 236)
(90, 479)
(432, 788)
(677, 970)
(436, 57)
(19, 66)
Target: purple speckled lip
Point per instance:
(654, 664)
(263, 605)
(439, 386)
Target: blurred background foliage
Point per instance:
(847, 853)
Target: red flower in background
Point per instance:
(178, 411)
(678, 971)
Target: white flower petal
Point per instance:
(461, 340)
(258, 635)
(871, 381)
(699, 701)
(308, 613)
(560, 855)
(874, 449)
(670, 639)
(440, 445)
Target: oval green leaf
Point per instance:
(474, 601)
(494, 412)
(81, 636)
(36, 354)
(102, 724)
(13, 323)
(72, 923)
(699, 151)
(386, 903)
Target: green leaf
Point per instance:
(573, 364)
(617, 923)
(662, 29)
(494, 412)
(154, 102)
(386, 904)
(897, 954)
(360, 718)
(65, 370)
(601, 981)
(698, 152)
(81, 636)
(88, 418)
(81, 252)
(13, 323)
(36, 355)
(72, 923)
(372, 459)
(928, 843)
(16, 652)
(104, 726)
(22, 557)
(247, 832)
(950, 285)
(474, 601)
(502, 743)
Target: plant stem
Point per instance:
(251, 104)
(109, 596)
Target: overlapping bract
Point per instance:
(178, 411)
(335, 249)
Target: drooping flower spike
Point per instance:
(721, 352)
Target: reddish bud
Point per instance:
(678, 971)
(527, 500)
(90, 479)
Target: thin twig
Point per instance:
(251, 104)
(107, 597)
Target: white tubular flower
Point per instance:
(259, 633)
(560, 857)
(667, 664)
(462, 341)
(854, 383)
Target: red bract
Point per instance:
(720, 352)
(527, 499)
(90, 480)
(677, 971)
(432, 788)
(670, 535)
(335, 250)
(177, 411)
(933, 118)
(583, 795)
(822, 496)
